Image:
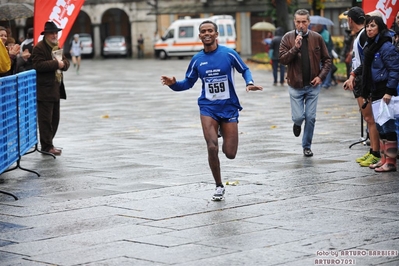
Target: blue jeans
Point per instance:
(275, 65)
(388, 129)
(397, 129)
(397, 122)
(303, 107)
(327, 82)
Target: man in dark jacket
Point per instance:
(274, 50)
(24, 62)
(303, 51)
(50, 86)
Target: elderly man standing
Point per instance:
(303, 51)
(50, 86)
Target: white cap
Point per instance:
(375, 13)
(76, 35)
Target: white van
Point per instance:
(181, 38)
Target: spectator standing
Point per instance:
(267, 41)
(12, 48)
(322, 30)
(381, 78)
(395, 28)
(24, 62)
(50, 85)
(140, 46)
(274, 51)
(356, 19)
(5, 62)
(28, 40)
(347, 51)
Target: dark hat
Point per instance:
(356, 13)
(50, 27)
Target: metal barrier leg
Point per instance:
(42, 152)
(20, 167)
(362, 138)
(9, 194)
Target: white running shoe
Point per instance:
(219, 194)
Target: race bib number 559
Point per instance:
(217, 88)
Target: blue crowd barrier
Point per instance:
(18, 128)
(26, 84)
(9, 152)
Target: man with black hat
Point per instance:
(50, 86)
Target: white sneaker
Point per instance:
(219, 194)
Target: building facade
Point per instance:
(151, 18)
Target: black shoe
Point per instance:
(307, 152)
(297, 130)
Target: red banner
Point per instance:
(389, 9)
(62, 12)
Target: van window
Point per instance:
(221, 30)
(186, 32)
(229, 30)
(170, 34)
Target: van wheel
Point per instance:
(163, 55)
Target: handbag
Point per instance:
(5, 62)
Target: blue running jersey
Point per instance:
(216, 71)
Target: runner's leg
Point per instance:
(210, 131)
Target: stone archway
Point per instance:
(82, 24)
(115, 21)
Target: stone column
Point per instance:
(243, 22)
(97, 41)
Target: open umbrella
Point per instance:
(343, 15)
(265, 26)
(11, 11)
(321, 20)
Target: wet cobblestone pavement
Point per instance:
(133, 187)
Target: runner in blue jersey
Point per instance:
(218, 102)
